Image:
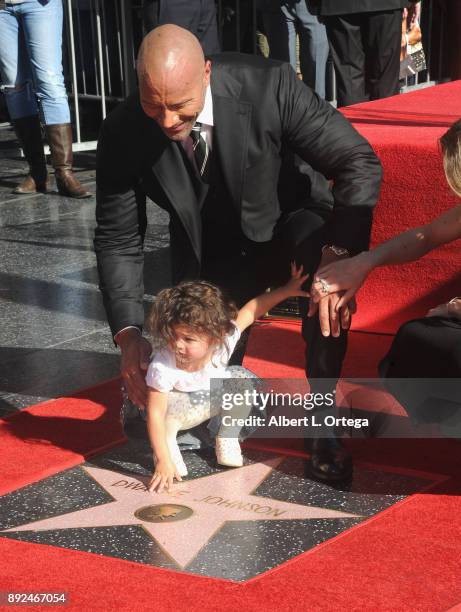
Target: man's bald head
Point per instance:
(173, 77)
(166, 51)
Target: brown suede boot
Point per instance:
(59, 138)
(29, 134)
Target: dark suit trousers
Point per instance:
(299, 236)
(366, 54)
(197, 16)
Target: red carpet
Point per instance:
(50, 437)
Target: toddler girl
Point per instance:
(196, 330)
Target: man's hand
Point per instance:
(334, 311)
(136, 351)
(332, 318)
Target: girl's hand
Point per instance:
(296, 281)
(163, 477)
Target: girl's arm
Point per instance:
(349, 274)
(258, 306)
(165, 470)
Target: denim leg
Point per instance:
(42, 25)
(15, 75)
(279, 23)
(313, 48)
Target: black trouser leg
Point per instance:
(306, 231)
(324, 354)
(366, 54)
(345, 38)
(150, 15)
(382, 40)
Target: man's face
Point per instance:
(175, 103)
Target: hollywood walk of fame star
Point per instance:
(215, 499)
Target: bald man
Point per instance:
(218, 144)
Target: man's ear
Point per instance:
(207, 72)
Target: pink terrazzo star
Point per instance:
(214, 500)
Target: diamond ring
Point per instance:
(325, 286)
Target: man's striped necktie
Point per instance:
(201, 152)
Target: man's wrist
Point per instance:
(332, 253)
(333, 249)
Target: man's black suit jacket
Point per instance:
(260, 109)
(346, 7)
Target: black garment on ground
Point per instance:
(426, 349)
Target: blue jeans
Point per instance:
(31, 60)
(282, 21)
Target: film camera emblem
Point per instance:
(163, 513)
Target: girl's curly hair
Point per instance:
(197, 304)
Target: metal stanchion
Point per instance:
(100, 59)
(74, 69)
(119, 45)
(106, 49)
(80, 44)
(128, 49)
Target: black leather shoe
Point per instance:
(330, 461)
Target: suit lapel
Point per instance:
(230, 133)
(175, 180)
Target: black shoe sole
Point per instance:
(322, 477)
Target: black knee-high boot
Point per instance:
(29, 133)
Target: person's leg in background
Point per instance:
(208, 28)
(16, 84)
(382, 42)
(150, 13)
(42, 27)
(313, 47)
(197, 16)
(279, 25)
(345, 38)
